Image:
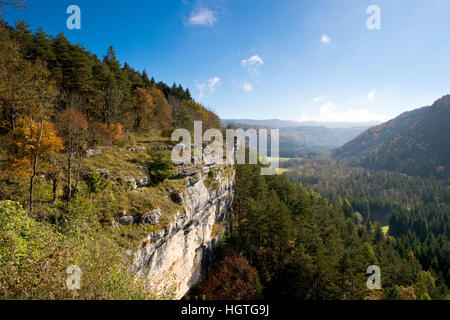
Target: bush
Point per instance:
(96, 183)
(34, 258)
(31, 259)
(160, 168)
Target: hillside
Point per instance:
(276, 123)
(414, 143)
(86, 176)
(296, 139)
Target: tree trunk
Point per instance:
(77, 179)
(31, 193)
(69, 180)
(35, 165)
(55, 188)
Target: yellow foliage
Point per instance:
(30, 141)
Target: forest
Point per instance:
(69, 121)
(289, 242)
(309, 234)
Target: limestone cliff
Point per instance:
(179, 255)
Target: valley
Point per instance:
(115, 185)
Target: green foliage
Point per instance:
(34, 258)
(424, 286)
(22, 237)
(96, 183)
(305, 247)
(160, 167)
(414, 143)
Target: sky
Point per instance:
(306, 60)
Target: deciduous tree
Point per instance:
(34, 142)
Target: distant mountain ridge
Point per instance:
(295, 139)
(280, 124)
(416, 142)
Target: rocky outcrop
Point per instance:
(178, 255)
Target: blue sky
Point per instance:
(287, 59)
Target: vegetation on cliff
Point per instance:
(84, 152)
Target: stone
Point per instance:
(104, 172)
(93, 152)
(131, 149)
(114, 224)
(126, 220)
(151, 217)
(141, 148)
(131, 182)
(141, 182)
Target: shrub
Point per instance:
(160, 168)
(96, 183)
(31, 259)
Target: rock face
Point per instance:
(179, 255)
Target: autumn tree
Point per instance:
(73, 127)
(233, 278)
(161, 110)
(109, 133)
(143, 106)
(34, 142)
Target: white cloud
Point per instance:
(325, 39)
(208, 87)
(318, 99)
(212, 83)
(247, 87)
(253, 64)
(371, 95)
(202, 16)
(330, 112)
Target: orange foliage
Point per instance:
(233, 278)
(74, 119)
(143, 106)
(111, 132)
(31, 139)
(161, 112)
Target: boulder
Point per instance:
(126, 220)
(151, 217)
(131, 183)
